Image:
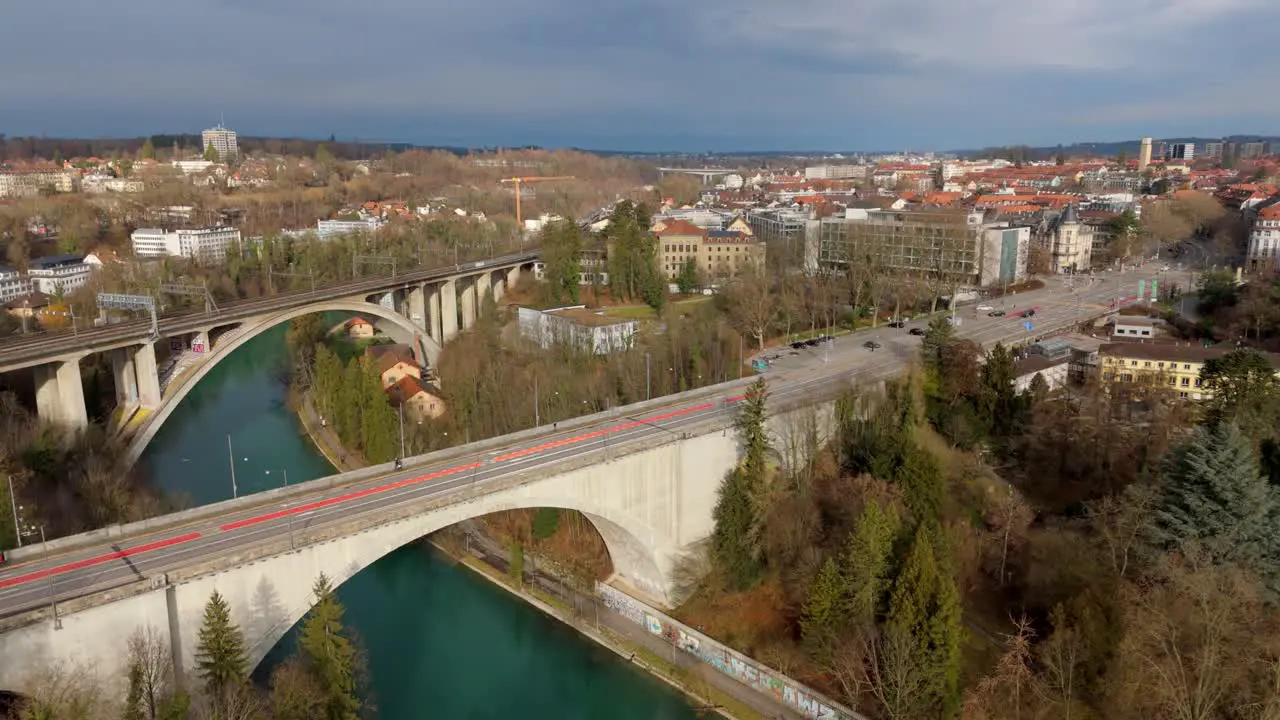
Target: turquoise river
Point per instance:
(441, 642)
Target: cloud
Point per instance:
(845, 73)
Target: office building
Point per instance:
(1181, 151)
(12, 284)
(1144, 154)
(955, 246)
(222, 140)
(836, 172)
(58, 274)
(1213, 150)
(202, 244)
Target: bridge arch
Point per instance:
(635, 550)
(398, 326)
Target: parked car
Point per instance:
(1028, 313)
(916, 331)
(871, 345)
(897, 324)
(985, 308)
(996, 313)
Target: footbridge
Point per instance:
(423, 308)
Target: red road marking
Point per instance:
(598, 433)
(736, 398)
(90, 562)
(343, 498)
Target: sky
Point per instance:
(675, 75)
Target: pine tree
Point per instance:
(751, 426)
(867, 565)
(148, 151)
(688, 280)
(1216, 499)
(562, 258)
(824, 610)
(379, 421)
(210, 153)
(330, 654)
(925, 609)
(220, 654)
(327, 380)
(133, 705)
(732, 548)
(998, 400)
(347, 414)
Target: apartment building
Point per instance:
(1264, 239)
(837, 172)
(956, 245)
(326, 229)
(1176, 365)
(222, 140)
(58, 274)
(12, 284)
(1069, 241)
(203, 244)
(29, 181)
(1181, 151)
(718, 253)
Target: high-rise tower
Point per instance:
(1144, 154)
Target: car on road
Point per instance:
(916, 331)
(996, 313)
(797, 345)
(897, 324)
(985, 308)
(1028, 313)
(871, 345)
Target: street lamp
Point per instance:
(53, 597)
(232, 457)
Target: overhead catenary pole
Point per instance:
(13, 501)
(231, 456)
(537, 410)
(648, 387)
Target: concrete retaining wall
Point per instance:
(804, 700)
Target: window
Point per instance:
(1186, 382)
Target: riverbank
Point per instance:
(322, 434)
(710, 689)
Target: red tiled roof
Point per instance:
(680, 227)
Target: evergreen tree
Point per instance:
(998, 399)
(936, 337)
(925, 609)
(148, 151)
(210, 153)
(1216, 499)
(633, 258)
(330, 654)
(689, 280)
(379, 421)
(825, 610)
(350, 393)
(751, 426)
(1246, 391)
(327, 380)
(732, 547)
(133, 705)
(867, 565)
(323, 156)
(923, 486)
(562, 259)
(220, 654)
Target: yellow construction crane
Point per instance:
(517, 181)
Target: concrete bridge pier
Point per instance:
(499, 281)
(433, 313)
(468, 303)
(144, 364)
(126, 378)
(416, 306)
(484, 289)
(60, 394)
(448, 310)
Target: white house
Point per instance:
(58, 274)
(12, 284)
(591, 331)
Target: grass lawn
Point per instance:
(644, 312)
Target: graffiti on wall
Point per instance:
(725, 660)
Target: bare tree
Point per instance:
(1119, 520)
(752, 306)
(1003, 695)
(152, 657)
(65, 691)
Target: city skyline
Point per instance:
(715, 77)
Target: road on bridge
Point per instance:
(794, 378)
